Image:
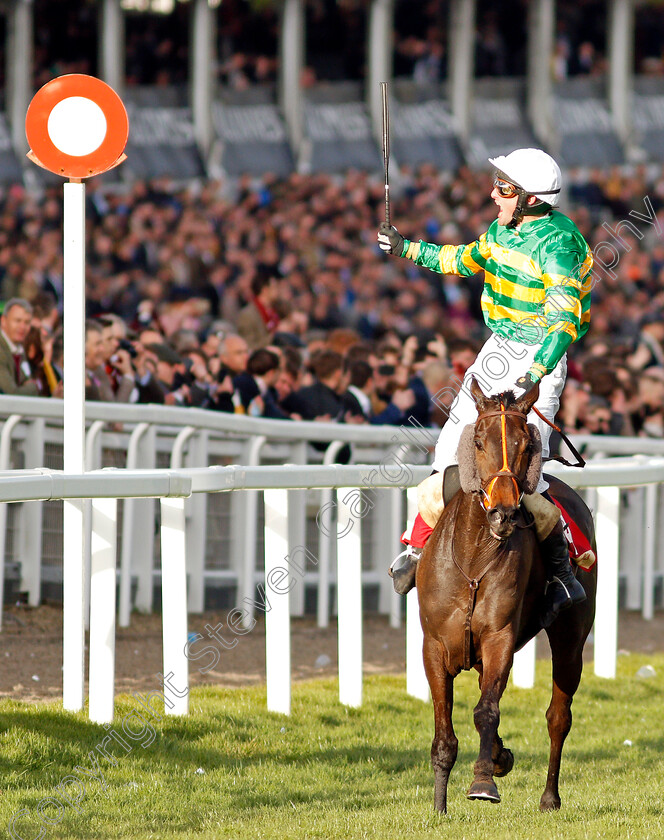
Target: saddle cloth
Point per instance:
(580, 550)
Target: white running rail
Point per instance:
(285, 562)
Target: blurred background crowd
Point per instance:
(270, 297)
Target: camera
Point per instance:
(123, 344)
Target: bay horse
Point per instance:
(481, 587)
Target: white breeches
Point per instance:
(498, 365)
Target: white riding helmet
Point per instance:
(535, 172)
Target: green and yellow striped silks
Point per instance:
(537, 281)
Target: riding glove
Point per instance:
(526, 384)
(390, 240)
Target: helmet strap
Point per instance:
(519, 210)
(540, 208)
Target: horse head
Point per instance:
(500, 456)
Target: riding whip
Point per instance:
(386, 148)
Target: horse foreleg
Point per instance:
(503, 758)
(445, 744)
(566, 677)
(486, 714)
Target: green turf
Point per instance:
(331, 772)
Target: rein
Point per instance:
(473, 586)
(580, 461)
(485, 500)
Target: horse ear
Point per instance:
(477, 394)
(534, 471)
(527, 401)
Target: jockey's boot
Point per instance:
(563, 590)
(430, 504)
(403, 576)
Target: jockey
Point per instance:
(536, 302)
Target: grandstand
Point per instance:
(245, 87)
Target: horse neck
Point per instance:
(473, 544)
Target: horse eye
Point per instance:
(478, 445)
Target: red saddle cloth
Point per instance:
(580, 550)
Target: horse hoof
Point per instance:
(549, 803)
(486, 791)
(503, 763)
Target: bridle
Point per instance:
(505, 471)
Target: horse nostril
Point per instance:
(495, 516)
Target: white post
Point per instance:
(650, 530)
(297, 528)
(247, 584)
(349, 600)
(606, 619)
(102, 609)
(277, 616)
(174, 601)
(129, 511)
(394, 532)
(5, 462)
(523, 669)
(325, 521)
(74, 447)
(417, 684)
(32, 517)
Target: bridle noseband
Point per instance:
(504, 471)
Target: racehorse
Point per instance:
(481, 586)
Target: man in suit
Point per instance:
(14, 370)
(94, 356)
(322, 400)
(258, 320)
(357, 399)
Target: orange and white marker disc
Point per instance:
(77, 126)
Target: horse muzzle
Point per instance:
(502, 521)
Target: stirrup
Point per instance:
(403, 576)
(410, 551)
(556, 605)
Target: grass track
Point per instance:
(330, 772)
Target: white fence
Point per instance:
(283, 561)
(225, 537)
(225, 531)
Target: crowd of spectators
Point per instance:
(270, 297)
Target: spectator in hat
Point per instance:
(15, 375)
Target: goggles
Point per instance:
(505, 189)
